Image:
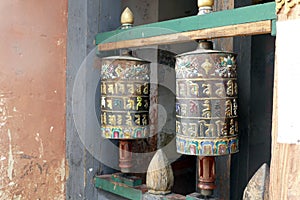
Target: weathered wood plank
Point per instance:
(285, 171)
(223, 163)
(76, 52)
(85, 19)
(253, 28)
(216, 19)
(240, 161)
(105, 182)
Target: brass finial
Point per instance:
(205, 6)
(127, 18)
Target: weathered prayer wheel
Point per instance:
(206, 102)
(125, 93)
(206, 108)
(125, 102)
(125, 98)
(125, 90)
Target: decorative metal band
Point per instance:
(213, 128)
(200, 88)
(207, 146)
(205, 10)
(127, 103)
(125, 70)
(206, 109)
(204, 66)
(121, 88)
(288, 4)
(115, 118)
(125, 132)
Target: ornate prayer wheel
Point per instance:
(206, 108)
(206, 105)
(125, 102)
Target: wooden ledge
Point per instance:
(250, 20)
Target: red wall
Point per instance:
(32, 99)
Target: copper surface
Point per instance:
(125, 93)
(206, 102)
(207, 175)
(125, 159)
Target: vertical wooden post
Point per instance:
(285, 162)
(225, 44)
(86, 18)
(223, 162)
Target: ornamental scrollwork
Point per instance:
(287, 4)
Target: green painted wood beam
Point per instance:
(273, 33)
(241, 15)
(130, 181)
(107, 184)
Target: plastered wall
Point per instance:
(32, 99)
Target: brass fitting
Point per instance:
(205, 6)
(127, 18)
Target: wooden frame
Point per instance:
(227, 23)
(222, 24)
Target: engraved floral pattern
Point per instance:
(136, 72)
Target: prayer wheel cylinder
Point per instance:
(125, 102)
(206, 102)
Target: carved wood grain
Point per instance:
(285, 171)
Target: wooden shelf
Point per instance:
(250, 20)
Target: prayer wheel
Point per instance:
(206, 108)
(125, 102)
(206, 102)
(125, 99)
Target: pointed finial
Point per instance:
(205, 6)
(160, 177)
(127, 18)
